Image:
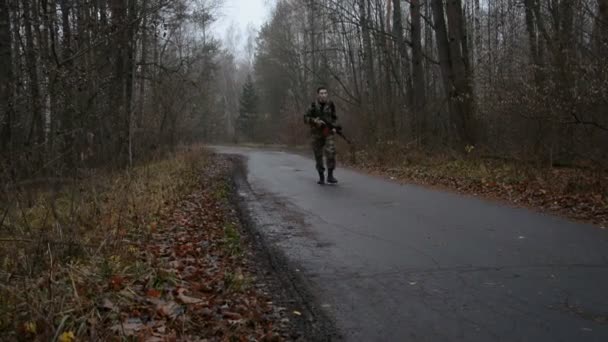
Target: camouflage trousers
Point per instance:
(324, 145)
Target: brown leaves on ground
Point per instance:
(198, 285)
(159, 257)
(576, 193)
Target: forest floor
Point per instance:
(157, 253)
(580, 194)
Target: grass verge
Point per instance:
(145, 254)
(61, 248)
(577, 193)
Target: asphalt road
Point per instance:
(405, 263)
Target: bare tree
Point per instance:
(82, 80)
(6, 78)
(419, 89)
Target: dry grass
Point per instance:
(577, 193)
(60, 247)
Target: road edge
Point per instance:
(294, 290)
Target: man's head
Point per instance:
(322, 94)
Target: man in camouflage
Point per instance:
(321, 113)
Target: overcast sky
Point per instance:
(242, 12)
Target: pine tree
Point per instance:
(248, 110)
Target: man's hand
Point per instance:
(318, 122)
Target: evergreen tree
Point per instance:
(248, 110)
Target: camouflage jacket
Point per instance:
(325, 112)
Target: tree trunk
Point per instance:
(601, 30)
(313, 43)
(367, 49)
(119, 108)
(429, 70)
(130, 67)
(6, 79)
(442, 44)
(455, 78)
(53, 75)
(37, 127)
(370, 83)
(444, 59)
(68, 118)
(418, 70)
(533, 41)
(566, 38)
(478, 39)
(44, 36)
(405, 74)
(385, 64)
(463, 95)
(143, 61)
(464, 38)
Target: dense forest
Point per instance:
(117, 221)
(88, 82)
(524, 79)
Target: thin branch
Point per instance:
(84, 50)
(578, 120)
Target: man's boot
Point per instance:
(321, 177)
(330, 177)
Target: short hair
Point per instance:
(321, 88)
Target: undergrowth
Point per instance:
(577, 192)
(60, 249)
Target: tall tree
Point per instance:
(451, 44)
(6, 76)
(601, 29)
(120, 109)
(248, 110)
(36, 134)
(368, 65)
(398, 34)
(419, 89)
(533, 40)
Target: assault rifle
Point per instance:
(328, 127)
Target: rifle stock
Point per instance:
(338, 129)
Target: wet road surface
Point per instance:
(405, 263)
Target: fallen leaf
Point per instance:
(170, 309)
(297, 313)
(232, 315)
(67, 336)
(186, 299)
(130, 327)
(116, 282)
(107, 304)
(30, 327)
(153, 293)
